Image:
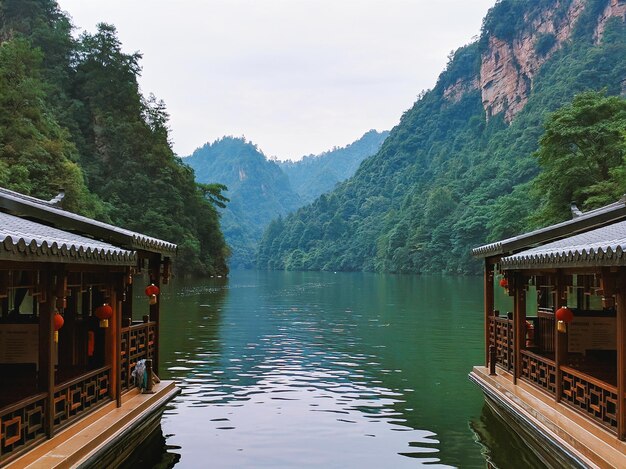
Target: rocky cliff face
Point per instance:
(508, 68)
(615, 8)
(456, 91)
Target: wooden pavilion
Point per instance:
(69, 338)
(555, 337)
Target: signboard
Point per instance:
(19, 343)
(592, 333)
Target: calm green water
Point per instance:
(321, 370)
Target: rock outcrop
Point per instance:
(508, 68)
(456, 91)
(615, 8)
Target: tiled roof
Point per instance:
(585, 222)
(23, 205)
(25, 239)
(600, 247)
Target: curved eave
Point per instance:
(26, 206)
(22, 251)
(153, 244)
(592, 257)
(585, 222)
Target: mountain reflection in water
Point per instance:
(309, 369)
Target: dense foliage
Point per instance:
(582, 155)
(257, 189)
(260, 190)
(72, 117)
(317, 174)
(446, 179)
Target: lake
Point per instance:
(325, 370)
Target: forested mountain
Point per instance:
(258, 191)
(314, 175)
(72, 117)
(471, 161)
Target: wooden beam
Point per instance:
(110, 333)
(488, 303)
(620, 297)
(519, 322)
(115, 336)
(154, 269)
(47, 347)
(560, 338)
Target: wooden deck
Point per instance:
(579, 441)
(105, 437)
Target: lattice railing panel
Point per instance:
(22, 424)
(138, 342)
(539, 371)
(594, 398)
(74, 398)
(501, 330)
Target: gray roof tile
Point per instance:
(603, 246)
(587, 221)
(20, 237)
(21, 204)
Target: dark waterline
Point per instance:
(308, 369)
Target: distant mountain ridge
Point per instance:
(314, 175)
(261, 190)
(457, 170)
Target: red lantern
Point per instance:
(504, 283)
(152, 289)
(151, 292)
(58, 324)
(104, 313)
(564, 314)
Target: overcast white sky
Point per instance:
(294, 76)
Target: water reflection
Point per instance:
(323, 370)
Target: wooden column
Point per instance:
(560, 338)
(519, 322)
(46, 346)
(489, 303)
(154, 268)
(113, 339)
(620, 297)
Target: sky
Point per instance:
(296, 77)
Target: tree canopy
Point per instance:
(582, 156)
(72, 117)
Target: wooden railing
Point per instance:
(138, 342)
(22, 425)
(501, 331)
(73, 398)
(590, 396)
(539, 371)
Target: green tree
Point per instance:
(583, 145)
(37, 156)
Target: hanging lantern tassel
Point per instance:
(58, 324)
(151, 292)
(104, 313)
(564, 316)
(504, 283)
